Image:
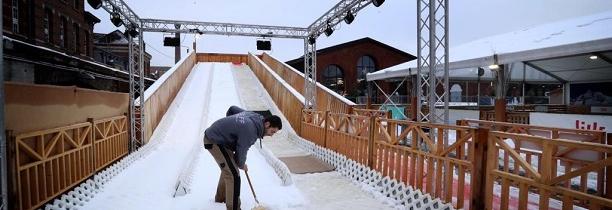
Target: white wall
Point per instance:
(457, 114)
(570, 120)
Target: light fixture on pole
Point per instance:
(377, 3)
(312, 39)
(348, 19)
(593, 57)
(116, 19)
(329, 30)
(96, 4)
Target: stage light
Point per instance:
(312, 40)
(116, 19)
(593, 57)
(494, 67)
(377, 3)
(96, 4)
(264, 45)
(348, 19)
(329, 30)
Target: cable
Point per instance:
(159, 51)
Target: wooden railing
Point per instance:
(463, 170)
(326, 98)
(222, 57)
(423, 160)
(544, 172)
(48, 162)
(313, 126)
(511, 117)
(349, 135)
(287, 99)
(370, 113)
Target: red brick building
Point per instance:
(342, 67)
(62, 25)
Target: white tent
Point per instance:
(573, 50)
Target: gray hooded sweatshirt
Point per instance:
(237, 132)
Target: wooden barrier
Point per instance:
(550, 172)
(222, 57)
(48, 162)
(110, 138)
(423, 161)
(313, 126)
(288, 100)
(349, 135)
(160, 95)
(326, 98)
(511, 117)
(370, 113)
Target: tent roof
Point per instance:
(560, 50)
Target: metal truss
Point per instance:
(336, 15)
(3, 138)
(125, 12)
(178, 26)
(432, 54)
(136, 69)
(310, 74)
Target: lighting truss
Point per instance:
(178, 26)
(310, 74)
(432, 54)
(136, 70)
(336, 15)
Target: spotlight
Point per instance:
(264, 45)
(593, 57)
(329, 30)
(312, 40)
(377, 3)
(116, 19)
(96, 4)
(133, 32)
(348, 19)
(494, 67)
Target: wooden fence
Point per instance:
(288, 100)
(222, 57)
(552, 174)
(464, 169)
(326, 98)
(511, 117)
(47, 163)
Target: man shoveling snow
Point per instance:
(228, 141)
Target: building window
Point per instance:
(333, 78)
(77, 45)
(86, 43)
(365, 65)
(15, 16)
(76, 4)
(48, 25)
(62, 32)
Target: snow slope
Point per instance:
(150, 182)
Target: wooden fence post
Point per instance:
(93, 144)
(608, 178)
(479, 174)
(326, 129)
(11, 162)
(371, 141)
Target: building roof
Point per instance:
(91, 18)
(558, 50)
(352, 43)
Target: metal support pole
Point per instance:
(132, 96)
(310, 75)
(141, 85)
(3, 140)
(177, 49)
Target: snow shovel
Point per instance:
(258, 206)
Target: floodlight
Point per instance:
(593, 57)
(329, 30)
(377, 3)
(348, 19)
(96, 4)
(116, 19)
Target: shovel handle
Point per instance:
(251, 185)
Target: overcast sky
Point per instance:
(394, 23)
